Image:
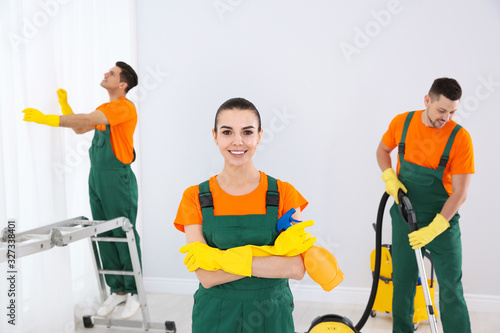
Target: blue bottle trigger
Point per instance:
(285, 221)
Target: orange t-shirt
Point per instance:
(425, 145)
(122, 117)
(189, 211)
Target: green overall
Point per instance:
(113, 193)
(251, 304)
(427, 195)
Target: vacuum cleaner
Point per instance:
(339, 324)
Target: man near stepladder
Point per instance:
(112, 184)
(435, 166)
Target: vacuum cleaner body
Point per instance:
(383, 300)
(332, 323)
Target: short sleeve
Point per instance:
(118, 112)
(391, 137)
(463, 154)
(290, 198)
(189, 211)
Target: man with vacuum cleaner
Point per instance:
(435, 166)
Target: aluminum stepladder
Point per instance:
(68, 231)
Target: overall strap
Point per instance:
(206, 200)
(401, 147)
(134, 156)
(272, 197)
(447, 149)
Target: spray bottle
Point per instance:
(320, 264)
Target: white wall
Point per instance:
(327, 77)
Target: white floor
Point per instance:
(168, 307)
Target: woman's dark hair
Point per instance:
(447, 87)
(237, 103)
(127, 75)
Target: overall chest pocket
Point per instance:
(228, 237)
(416, 174)
(98, 140)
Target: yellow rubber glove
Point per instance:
(33, 115)
(392, 184)
(63, 102)
(236, 260)
(425, 235)
(291, 242)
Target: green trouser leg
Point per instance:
(447, 258)
(113, 194)
(446, 253)
(405, 275)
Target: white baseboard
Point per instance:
(483, 303)
(314, 293)
(171, 286)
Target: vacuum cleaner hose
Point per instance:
(378, 259)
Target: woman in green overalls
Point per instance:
(240, 289)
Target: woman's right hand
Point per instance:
(291, 242)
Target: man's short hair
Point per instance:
(128, 75)
(447, 87)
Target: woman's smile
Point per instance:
(237, 153)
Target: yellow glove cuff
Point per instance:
(236, 260)
(52, 120)
(262, 251)
(389, 174)
(439, 224)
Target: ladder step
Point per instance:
(70, 228)
(85, 223)
(111, 272)
(109, 239)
